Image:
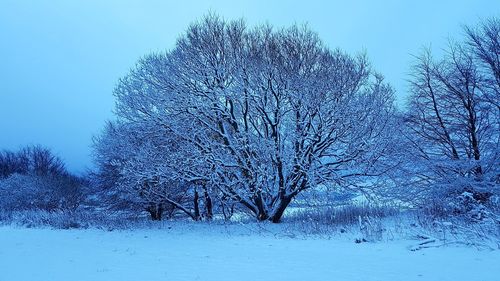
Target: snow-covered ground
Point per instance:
(221, 253)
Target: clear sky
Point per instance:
(59, 60)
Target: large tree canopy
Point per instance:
(261, 114)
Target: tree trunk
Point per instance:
(196, 215)
(262, 216)
(261, 213)
(227, 211)
(170, 211)
(475, 145)
(280, 209)
(159, 212)
(208, 205)
(155, 211)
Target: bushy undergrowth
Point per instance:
(362, 223)
(466, 206)
(41, 218)
(481, 221)
(365, 219)
(340, 216)
(69, 220)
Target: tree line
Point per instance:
(240, 119)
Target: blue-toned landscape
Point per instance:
(249, 140)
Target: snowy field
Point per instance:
(197, 252)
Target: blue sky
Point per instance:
(59, 60)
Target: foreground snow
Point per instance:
(202, 253)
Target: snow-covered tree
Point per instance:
(36, 160)
(138, 166)
(263, 114)
(483, 41)
(34, 178)
(453, 127)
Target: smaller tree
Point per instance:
(35, 179)
(452, 124)
(35, 160)
(141, 165)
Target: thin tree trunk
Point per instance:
(474, 140)
(262, 215)
(208, 205)
(196, 206)
(155, 211)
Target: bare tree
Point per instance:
(140, 165)
(264, 114)
(35, 178)
(452, 119)
(36, 160)
(484, 44)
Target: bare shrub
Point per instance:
(341, 216)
